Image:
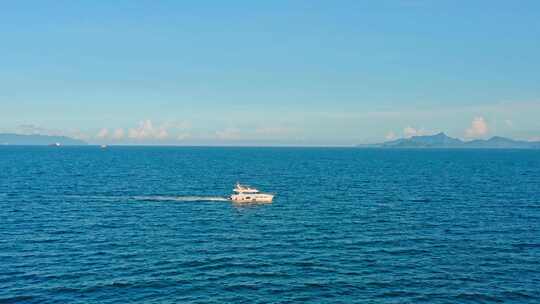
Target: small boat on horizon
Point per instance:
(247, 194)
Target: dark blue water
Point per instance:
(146, 225)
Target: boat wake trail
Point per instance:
(160, 198)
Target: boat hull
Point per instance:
(252, 198)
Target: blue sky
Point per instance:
(269, 72)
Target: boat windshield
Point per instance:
(244, 189)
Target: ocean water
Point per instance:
(151, 225)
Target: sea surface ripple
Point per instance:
(152, 225)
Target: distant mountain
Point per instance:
(437, 140)
(38, 140)
(502, 142)
(441, 140)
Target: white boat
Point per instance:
(246, 194)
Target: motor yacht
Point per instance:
(247, 194)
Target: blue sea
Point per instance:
(152, 225)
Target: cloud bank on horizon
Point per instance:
(270, 73)
(185, 133)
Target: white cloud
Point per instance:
(161, 133)
(118, 134)
(79, 135)
(30, 129)
(390, 135)
(146, 130)
(410, 132)
(478, 128)
(183, 136)
(229, 134)
(103, 133)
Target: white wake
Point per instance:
(160, 198)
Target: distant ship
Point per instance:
(246, 194)
(55, 144)
(103, 146)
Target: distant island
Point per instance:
(441, 140)
(38, 140)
